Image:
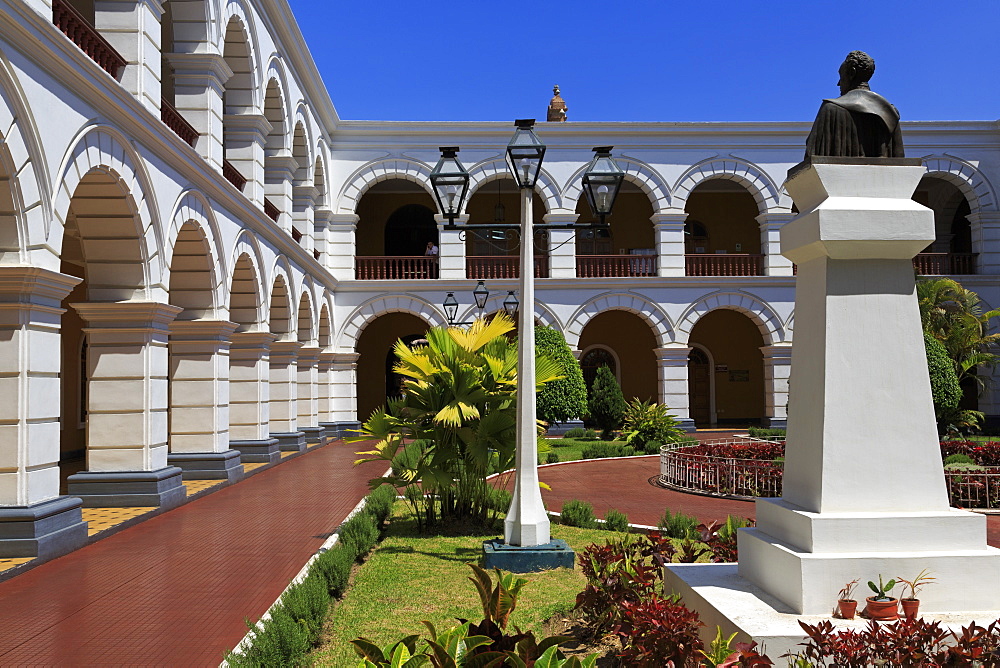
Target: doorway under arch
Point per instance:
(374, 348)
(632, 341)
(729, 343)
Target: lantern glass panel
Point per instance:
(451, 307)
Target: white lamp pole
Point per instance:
(527, 524)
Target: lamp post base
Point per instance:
(527, 559)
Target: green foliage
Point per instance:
(578, 514)
(604, 450)
(719, 649)
(359, 534)
(652, 447)
(456, 420)
(575, 432)
(379, 503)
(678, 525)
(552, 458)
(566, 398)
(766, 433)
(591, 434)
(958, 458)
(335, 567)
(645, 422)
(945, 390)
(882, 589)
(616, 521)
(498, 600)
(607, 403)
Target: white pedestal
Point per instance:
(864, 490)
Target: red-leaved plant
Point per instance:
(657, 631)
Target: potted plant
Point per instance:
(881, 606)
(847, 605)
(911, 604)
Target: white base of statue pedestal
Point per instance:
(863, 488)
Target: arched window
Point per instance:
(593, 360)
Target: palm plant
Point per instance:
(459, 405)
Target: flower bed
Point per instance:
(752, 469)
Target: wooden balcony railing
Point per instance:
(317, 254)
(273, 213)
(615, 266)
(233, 175)
(945, 264)
(395, 267)
(75, 26)
(483, 267)
(173, 120)
(723, 265)
(296, 236)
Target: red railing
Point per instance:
(173, 120)
(482, 267)
(75, 26)
(233, 175)
(395, 268)
(723, 265)
(945, 264)
(273, 213)
(613, 266)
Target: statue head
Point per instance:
(857, 69)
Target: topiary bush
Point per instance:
(616, 521)
(335, 567)
(379, 503)
(958, 459)
(565, 399)
(552, 458)
(607, 403)
(575, 432)
(578, 514)
(945, 389)
(766, 433)
(604, 450)
(359, 534)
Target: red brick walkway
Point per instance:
(175, 589)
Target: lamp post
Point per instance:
(480, 294)
(450, 181)
(526, 524)
(601, 182)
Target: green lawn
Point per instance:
(571, 449)
(411, 578)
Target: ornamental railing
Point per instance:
(173, 120)
(685, 469)
(615, 266)
(271, 211)
(395, 268)
(233, 175)
(720, 264)
(483, 267)
(74, 25)
(945, 264)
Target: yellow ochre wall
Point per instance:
(734, 341)
(376, 341)
(633, 341)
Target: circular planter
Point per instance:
(847, 607)
(910, 607)
(884, 611)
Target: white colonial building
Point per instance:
(203, 265)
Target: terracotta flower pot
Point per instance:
(847, 608)
(885, 611)
(910, 607)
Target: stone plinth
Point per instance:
(527, 559)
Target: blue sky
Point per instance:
(640, 60)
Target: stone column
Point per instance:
(244, 138)
(132, 27)
(249, 398)
(127, 407)
(342, 248)
(307, 399)
(199, 400)
(199, 82)
(303, 208)
(986, 241)
(451, 249)
(321, 234)
(668, 233)
(279, 170)
(34, 520)
(324, 395)
(283, 379)
(562, 246)
(777, 367)
(672, 371)
(344, 392)
(775, 264)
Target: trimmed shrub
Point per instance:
(552, 458)
(607, 403)
(578, 514)
(764, 432)
(652, 447)
(603, 450)
(958, 459)
(616, 521)
(576, 432)
(359, 534)
(678, 525)
(280, 642)
(306, 602)
(335, 567)
(590, 434)
(945, 389)
(379, 503)
(565, 399)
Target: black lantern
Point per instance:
(451, 307)
(524, 154)
(601, 181)
(481, 294)
(450, 181)
(510, 304)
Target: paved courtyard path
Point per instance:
(175, 589)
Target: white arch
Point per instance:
(248, 244)
(303, 117)
(637, 172)
(763, 316)
(753, 178)
(349, 334)
(236, 8)
(305, 292)
(23, 162)
(325, 310)
(281, 270)
(193, 206)
(102, 148)
(381, 170)
(638, 304)
(974, 185)
(496, 168)
(276, 72)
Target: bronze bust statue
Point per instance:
(859, 123)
